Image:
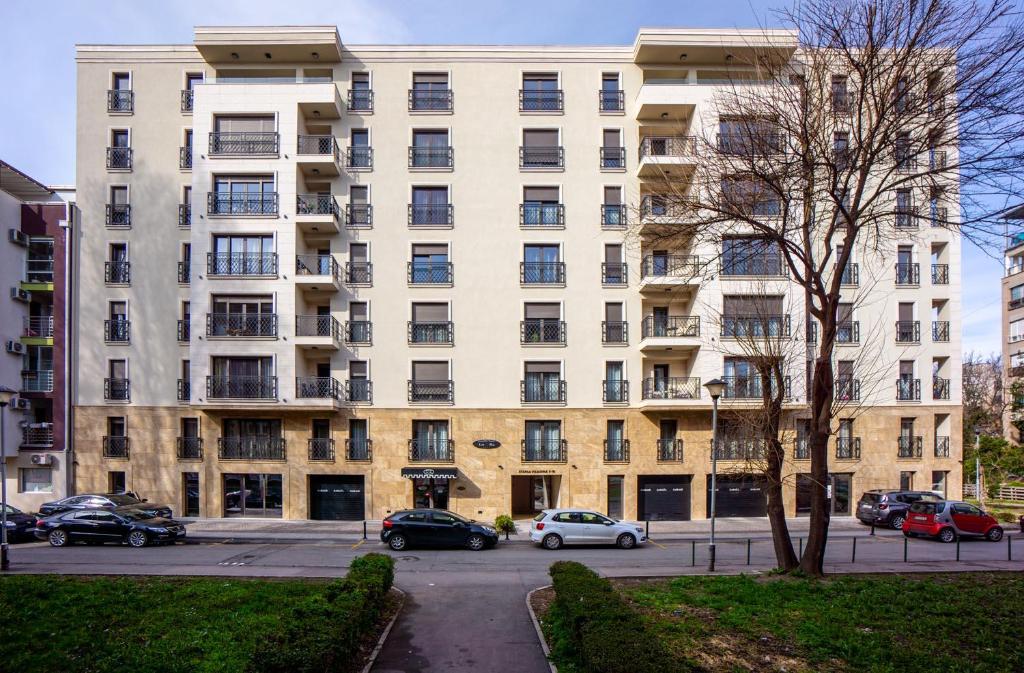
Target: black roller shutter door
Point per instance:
(738, 495)
(336, 497)
(663, 498)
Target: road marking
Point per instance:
(359, 544)
(657, 543)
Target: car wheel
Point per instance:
(626, 541)
(995, 534)
(551, 542)
(897, 522)
(397, 542)
(57, 538)
(947, 535)
(137, 538)
(476, 542)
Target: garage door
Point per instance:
(663, 498)
(336, 497)
(738, 495)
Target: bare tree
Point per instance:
(983, 397)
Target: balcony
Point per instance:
(750, 388)
(185, 158)
(431, 450)
(936, 160)
(241, 387)
(359, 450)
(670, 327)
(184, 272)
(906, 217)
(940, 331)
(801, 448)
(542, 215)
(37, 326)
(537, 100)
(119, 158)
(37, 380)
(320, 449)
(237, 205)
(611, 101)
(909, 447)
(612, 158)
(752, 144)
(851, 275)
(908, 331)
(940, 388)
(542, 273)
(117, 331)
(847, 389)
(359, 274)
(663, 209)
(317, 273)
(317, 332)
(241, 325)
(847, 448)
(115, 446)
(430, 273)
(317, 388)
(542, 332)
(848, 333)
(431, 333)
(430, 100)
(184, 214)
(908, 274)
(316, 208)
(319, 155)
(614, 274)
(359, 100)
(432, 392)
(544, 450)
(740, 449)
(908, 390)
(120, 101)
(39, 270)
(939, 216)
(542, 391)
(359, 158)
(614, 332)
(769, 266)
(184, 390)
(842, 102)
(190, 448)
(359, 215)
(658, 154)
(117, 273)
(613, 216)
(668, 272)
(244, 143)
(941, 447)
(940, 274)
(119, 215)
(669, 450)
(615, 391)
(762, 326)
(241, 264)
(251, 448)
(359, 391)
(359, 332)
(187, 100)
(431, 157)
(117, 390)
(671, 388)
(431, 215)
(616, 451)
(541, 157)
(37, 435)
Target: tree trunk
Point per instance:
(813, 560)
(774, 394)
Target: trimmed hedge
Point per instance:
(594, 626)
(326, 631)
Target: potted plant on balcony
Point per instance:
(505, 524)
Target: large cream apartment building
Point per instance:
(330, 281)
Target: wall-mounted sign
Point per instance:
(486, 443)
(536, 472)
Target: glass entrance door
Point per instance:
(431, 493)
(253, 495)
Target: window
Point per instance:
(430, 149)
(359, 387)
(904, 160)
(615, 447)
(360, 96)
(840, 93)
(36, 479)
(541, 149)
(613, 269)
(540, 93)
(430, 441)
(542, 207)
(359, 154)
(358, 211)
(542, 324)
(430, 323)
(430, 207)
(939, 482)
(541, 264)
(116, 482)
(430, 265)
(120, 97)
(117, 268)
(244, 135)
(543, 441)
(542, 382)
(1016, 330)
(610, 97)
(906, 481)
(242, 316)
(358, 443)
(749, 197)
(754, 315)
(243, 256)
(841, 150)
(430, 92)
(1017, 293)
(431, 382)
(613, 154)
(117, 325)
(614, 329)
(116, 385)
(613, 213)
(242, 378)
(615, 384)
(748, 136)
(750, 256)
(119, 212)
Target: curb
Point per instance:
(536, 626)
(384, 636)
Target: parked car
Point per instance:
(435, 528)
(946, 520)
(554, 527)
(137, 527)
(106, 501)
(20, 525)
(889, 507)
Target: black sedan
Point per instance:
(95, 501)
(19, 524)
(435, 528)
(137, 527)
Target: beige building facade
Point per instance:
(366, 278)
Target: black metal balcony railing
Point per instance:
(940, 274)
(614, 332)
(185, 158)
(184, 272)
(908, 390)
(936, 160)
(904, 160)
(663, 206)
(671, 388)
(940, 330)
(119, 100)
(119, 158)
(908, 274)
(242, 204)
(740, 326)
(848, 448)
(939, 216)
(117, 273)
(851, 274)
(613, 215)
(117, 390)
(615, 391)
(184, 331)
(848, 332)
(431, 157)
(359, 273)
(251, 448)
(432, 450)
(119, 215)
(541, 215)
(320, 449)
(431, 215)
(673, 326)
(801, 449)
(752, 143)
(909, 447)
(360, 450)
(430, 100)
(541, 157)
(360, 100)
(190, 448)
(442, 392)
(842, 102)
(317, 387)
(612, 157)
(318, 145)
(359, 157)
(431, 332)
(430, 273)
(616, 450)
(614, 273)
(539, 390)
(768, 265)
(241, 324)
(184, 390)
(187, 100)
(611, 101)
(116, 446)
(359, 391)
(542, 331)
(908, 331)
(847, 389)
(941, 447)
(673, 266)
(940, 388)
(542, 273)
(241, 264)
(545, 450)
(667, 146)
(358, 215)
(316, 204)
(536, 100)
(317, 265)
(906, 217)
(750, 387)
(243, 143)
(117, 331)
(669, 450)
(241, 387)
(317, 326)
(184, 214)
(740, 449)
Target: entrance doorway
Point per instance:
(430, 493)
(257, 495)
(739, 495)
(615, 496)
(531, 494)
(336, 497)
(663, 497)
(840, 487)
(190, 487)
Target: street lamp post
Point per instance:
(6, 394)
(715, 388)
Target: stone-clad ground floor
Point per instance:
(367, 463)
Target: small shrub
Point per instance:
(1005, 517)
(505, 524)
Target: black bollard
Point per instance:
(364, 529)
(801, 546)
(905, 540)
(957, 547)
(748, 551)
(853, 557)
(647, 529)
(693, 553)
(1009, 550)
(872, 528)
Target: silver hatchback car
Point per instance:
(554, 527)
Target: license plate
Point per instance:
(865, 506)
(920, 518)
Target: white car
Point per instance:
(554, 527)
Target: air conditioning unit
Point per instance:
(20, 295)
(42, 459)
(17, 237)
(21, 404)
(15, 347)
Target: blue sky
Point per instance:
(38, 69)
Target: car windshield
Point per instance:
(122, 499)
(137, 515)
(923, 507)
(454, 516)
(540, 516)
(871, 497)
(13, 510)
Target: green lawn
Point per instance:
(71, 624)
(956, 622)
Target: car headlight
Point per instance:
(158, 530)
(488, 529)
(10, 524)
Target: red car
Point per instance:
(946, 520)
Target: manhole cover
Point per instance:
(408, 558)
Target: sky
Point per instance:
(37, 65)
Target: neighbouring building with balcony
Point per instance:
(320, 286)
(37, 224)
(1013, 324)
